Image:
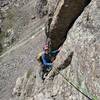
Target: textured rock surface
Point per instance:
(83, 40)
(83, 69)
(66, 13)
(22, 56)
(78, 60)
(18, 16)
(15, 62)
(41, 8)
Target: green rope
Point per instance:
(73, 85)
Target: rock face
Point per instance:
(19, 17)
(45, 7)
(83, 40)
(81, 50)
(41, 8)
(66, 13)
(25, 25)
(78, 61)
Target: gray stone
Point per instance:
(78, 60)
(66, 13)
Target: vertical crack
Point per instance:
(63, 19)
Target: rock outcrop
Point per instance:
(83, 40)
(41, 8)
(66, 13)
(78, 61)
(20, 18)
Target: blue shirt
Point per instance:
(46, 58)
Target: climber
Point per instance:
(46, 59)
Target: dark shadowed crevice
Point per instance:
(66, 63)
(53, 41)
(86, 2)
(64, 21)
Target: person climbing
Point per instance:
(46, 59)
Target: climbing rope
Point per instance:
(73, 84)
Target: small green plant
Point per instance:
(95, 98)
(29, 73)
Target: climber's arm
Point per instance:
(55, 52)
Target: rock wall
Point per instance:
(45, 7)
(17, 21)
(83, 40)
(78, 61)
(18, 18)
(66, 13)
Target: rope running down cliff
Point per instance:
(72, 84)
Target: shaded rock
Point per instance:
(4, 3)
(18, 16)
(1, 48)
(82, 39)
(64, 17)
